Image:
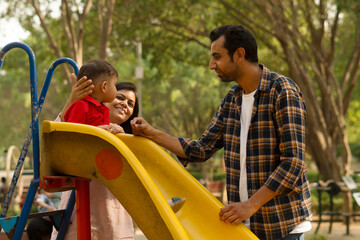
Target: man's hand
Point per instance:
(142, 128)
(235, 213)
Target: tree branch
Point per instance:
(53, 43)
(105, 20)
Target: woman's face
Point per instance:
(122, 107)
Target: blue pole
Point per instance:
(29, 199)
(33, 132)
(44, 90)
(33, 126)
(66, 219)
(71, 202)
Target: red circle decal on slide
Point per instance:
(109, 163)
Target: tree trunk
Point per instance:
(105, 19)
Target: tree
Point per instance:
(319, 40)
(307, 32)
(73, 15)
(304, 34)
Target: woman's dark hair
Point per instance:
(237, 36)
(131, 87)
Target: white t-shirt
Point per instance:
(245, 119)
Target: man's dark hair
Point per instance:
(97, 68)
(237, 36)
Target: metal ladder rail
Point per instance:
(29, 200)
(33, 131)
(71, 203)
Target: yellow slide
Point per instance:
(141, 175)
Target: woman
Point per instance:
(109, 220)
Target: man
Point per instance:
(261, 126)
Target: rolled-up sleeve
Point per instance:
(290, 117)
(210, 142)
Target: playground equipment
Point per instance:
(139, 173)
(14, 226)
(13, 153)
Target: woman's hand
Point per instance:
(79, 90)
(112, 128)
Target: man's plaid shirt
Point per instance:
(275, 152)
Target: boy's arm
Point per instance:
(79, 90)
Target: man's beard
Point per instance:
(226, 78)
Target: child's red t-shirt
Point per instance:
(88, 111)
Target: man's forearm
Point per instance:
(262, 196)
(169, 142)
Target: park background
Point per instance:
(314, 42)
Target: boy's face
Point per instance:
(110, 90)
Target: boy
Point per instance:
(91, 110)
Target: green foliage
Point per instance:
(316, 237)
(191, 94)
(15, 100)
(180, 94)
(313, 176)
(353, 130)
(198, 175)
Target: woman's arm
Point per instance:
(79, 90)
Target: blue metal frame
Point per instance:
(33, 132)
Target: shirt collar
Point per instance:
(265, 81)
(93, 101)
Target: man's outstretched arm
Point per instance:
(143, 128)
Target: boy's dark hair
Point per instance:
(237, 36)
(131, 87)
(97, 68)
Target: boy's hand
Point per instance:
(113, 128)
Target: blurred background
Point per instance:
(162, 46)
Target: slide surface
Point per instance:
(141, 175)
